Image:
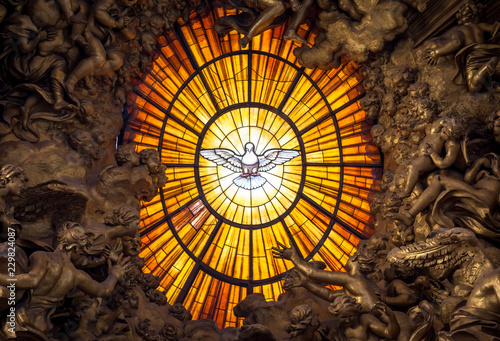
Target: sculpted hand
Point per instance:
(428, 149)
(42, 35)
(121, 267)
(294, 279)
(113, 252)
(381, 311)
(122, 22)
(432, 56)
(284, 252)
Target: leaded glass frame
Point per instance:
(209, 262)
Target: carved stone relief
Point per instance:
(70, 199)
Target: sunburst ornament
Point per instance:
(209, 234)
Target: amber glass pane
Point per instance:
(207, 237)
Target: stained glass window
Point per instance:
(209, 239)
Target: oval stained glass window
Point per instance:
(209, 233)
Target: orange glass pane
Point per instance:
(207, 92)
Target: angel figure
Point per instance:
(354, 281)
(12, 179)
(52, 275)
(258, 16)
(476, 48)
(249, 164)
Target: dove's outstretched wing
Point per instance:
(223, 157)
(273, 157)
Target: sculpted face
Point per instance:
(153, 163)
(134, 159)
(131, 246)
(425, 114)
(389, 104)
(347, 318)
(496, 128)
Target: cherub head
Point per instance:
(426, 109)
(148, 40)
(469, 12)
(371, 105)
(363, 260)
(86, 309)
(73, 239)
(132, 299)
(132, 245)
(126, 154)
(402, 78)
(493, 125)
(151, 158)
(301, 317)
(389, 105)
(12, 179)
(451, 128)
(346, 309)
(418, 90)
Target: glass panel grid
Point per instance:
(231, 96)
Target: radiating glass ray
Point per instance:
(206, 92)
(229, 252)
(265, 265)
(151, 212)
(180, 188)
(211, 298)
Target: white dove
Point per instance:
(249, 164)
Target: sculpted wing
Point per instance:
(273, 157)
(223, 157)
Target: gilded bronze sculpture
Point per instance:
(70, 197)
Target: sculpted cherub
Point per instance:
(52, 276)
(480, 190)
(493, 125)
(354, 282)
(12, 179)
(103, 243)
(304, 324)
(442, 137)
(101, 60)
(138, 174)
(355, 325)
(478, 319)
(268, 11)
(24, 64)
(91, 325)
(476, 56)
(150, 162)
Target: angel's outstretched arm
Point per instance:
(330, 277)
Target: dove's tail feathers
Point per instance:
(251, 182)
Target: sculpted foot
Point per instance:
(63, 105)
(244, 41)
(292, 35)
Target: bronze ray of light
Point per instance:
(210, 240)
